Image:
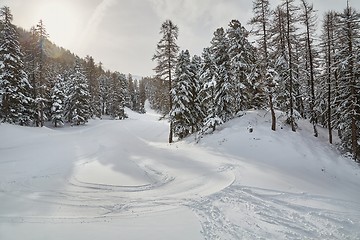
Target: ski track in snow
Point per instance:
(170, 177)
(276, 216)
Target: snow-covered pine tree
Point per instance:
(208, 76)
(78, 98)
(41, 83)
(94, 86)
(57, 102)
(136, 99)
(196, 86)
(30, 49)
(132, 93)
(245, 78)
(123, 93)
(347, 61)
(166, 54)
(105, 89)
(14, 85)
(142, 96)
(224, 102)
(184, 97)
(180, 114)
(257, 86)
(117, 96)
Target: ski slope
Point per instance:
(121, 180)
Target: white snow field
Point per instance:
(121, 180)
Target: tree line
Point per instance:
(41, 82)
(299, 65)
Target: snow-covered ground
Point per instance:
(121, 180)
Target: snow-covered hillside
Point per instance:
(121, 180)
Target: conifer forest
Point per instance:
(290, 60)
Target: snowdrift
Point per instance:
(293, 159)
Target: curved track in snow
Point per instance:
(118, 170)
(120, 177)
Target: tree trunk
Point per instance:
(354, 130)
(329, 106)
(311, 63)
(329, 82)
(171, 132)
(170, 99)
(292, 120)
(354, 141)
(273, 117)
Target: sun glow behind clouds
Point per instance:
(63, 21)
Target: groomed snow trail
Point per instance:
(114, 179)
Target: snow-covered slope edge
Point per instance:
(288, 185)
(301, 160)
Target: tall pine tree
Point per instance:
(166, 54)
(208, 77)
(261, 22)
(329, 76)
(308, 19)
(57, 102)
(347, 61)
(94, 86)
(117, 96)
(184, 96)
(224, 101)
(78, 98)
(14, 85)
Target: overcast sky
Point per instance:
(123, 34)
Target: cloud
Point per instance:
(198, 19)
(94, 21)
(189, 11)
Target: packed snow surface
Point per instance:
(122, 180)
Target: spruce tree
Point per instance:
(117, 96)
(198, 113)
(142, 96)
(78, 98)
(57, 102)
(132, 94)
(30, 49)
(183, 96)
(94, 86)
(208, 76)
(105, 89)
(179, 114)
(41, 84)
(224, 101)
(246, 83)
(14, 85)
